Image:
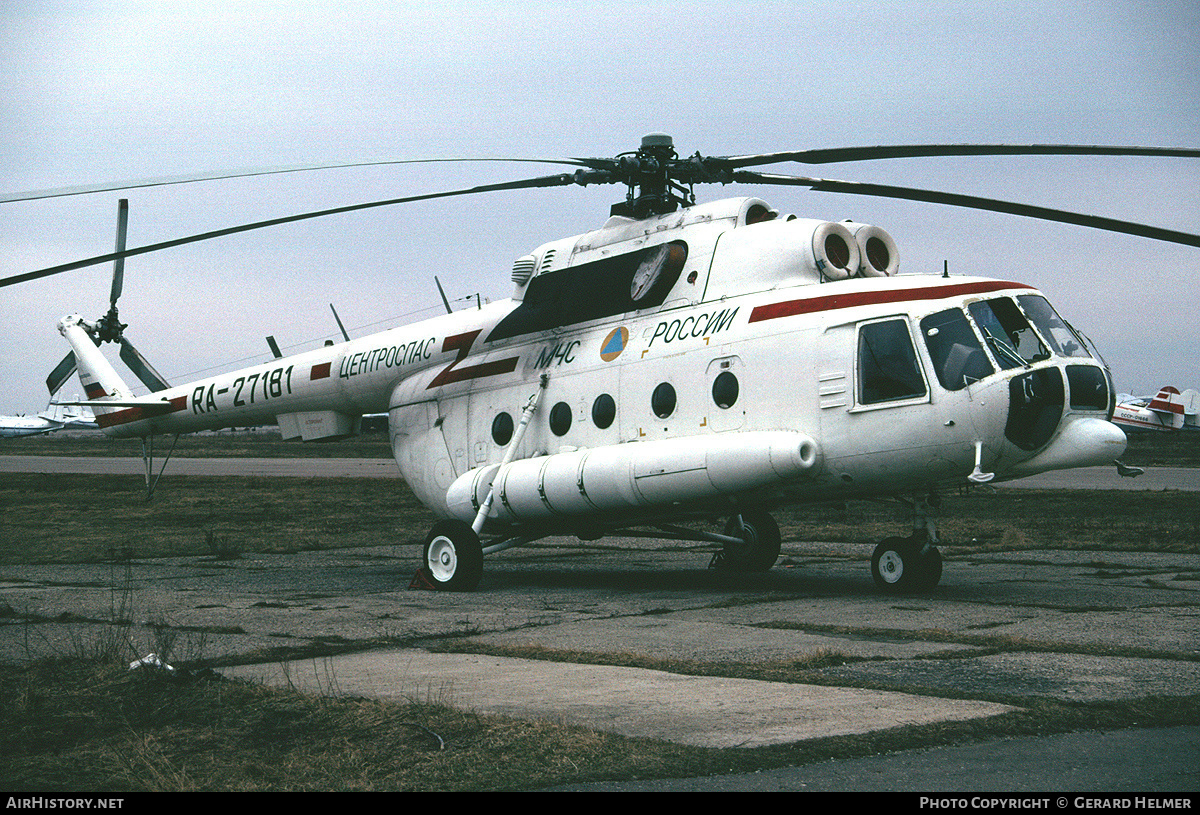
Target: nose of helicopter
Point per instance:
(1037, 424)
(1084, 441)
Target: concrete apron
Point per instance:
(697, 711)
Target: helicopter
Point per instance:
(681, 364)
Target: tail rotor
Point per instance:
(109, 328)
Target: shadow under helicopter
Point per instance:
(642, 575)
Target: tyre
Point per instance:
(931, 569)
(898, 566)
(759, 548)
(453, 556)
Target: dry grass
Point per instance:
(264, 443)
(86, 726)
(88, 518)
(1011, 519)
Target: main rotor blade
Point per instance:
(846, 154)
(973, 202)
(542, 181)
(61, 373)
(110, 186)
(142, 369)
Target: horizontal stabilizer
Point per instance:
(146, 402)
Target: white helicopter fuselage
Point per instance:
(705, 358)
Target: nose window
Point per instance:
(1035, 405)
(1089, 387)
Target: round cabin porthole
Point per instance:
(725, 390)
(502, 429)
(604, 411)
(662, 401)
(560, 419)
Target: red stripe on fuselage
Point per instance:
(134, 414)
(462, 343)
(832, 302)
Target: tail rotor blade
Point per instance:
(142, 369)
(61, 373)
(118, 280)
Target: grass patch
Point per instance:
(69, 518)
(1012, 519)
(77, 518)
(265, 443)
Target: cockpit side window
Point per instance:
(1061, 337)
(1010, 336)
(958, 358)
(887, 363)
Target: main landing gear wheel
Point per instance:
(453, 556)
(900, 566)
(759, 548)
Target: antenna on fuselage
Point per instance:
(345, 336)
(443, 294)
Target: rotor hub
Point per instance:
(109, 328)
(650, 174)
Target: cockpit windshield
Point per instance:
(1018, 332)
(1061, 337)
(1012, 339)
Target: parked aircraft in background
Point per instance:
(1167, 411)
(55, 417)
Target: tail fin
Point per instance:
(99, 379)
(1169, 405)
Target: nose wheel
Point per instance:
(906, 565)
(453, 556)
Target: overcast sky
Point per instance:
(131, 89)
